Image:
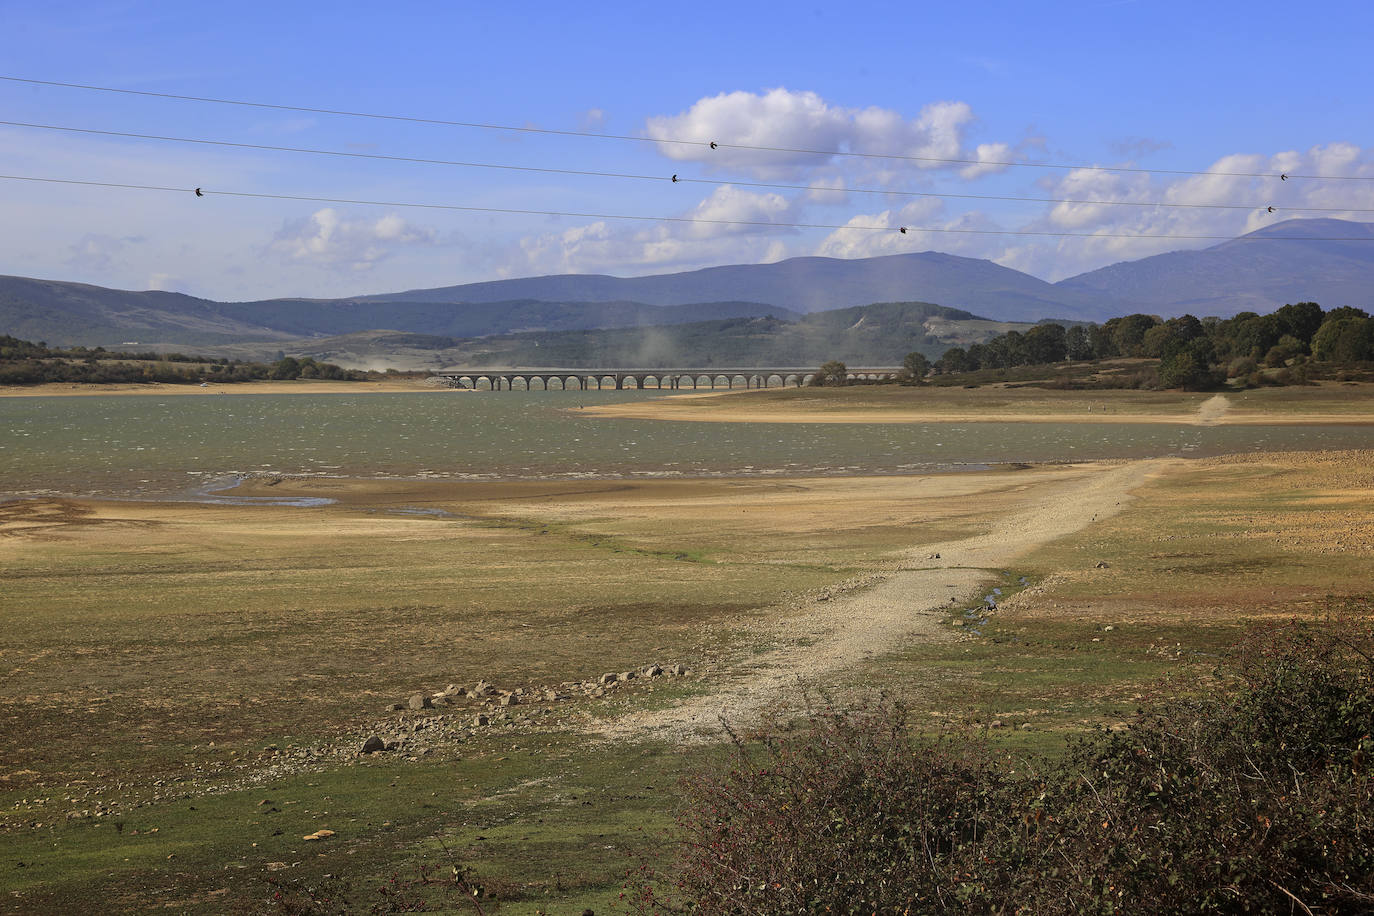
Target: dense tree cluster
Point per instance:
(23, 362)
(1193, 353)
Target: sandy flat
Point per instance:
(733, 408)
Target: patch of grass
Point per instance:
(547, 817)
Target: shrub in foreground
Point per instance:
(1256, 798)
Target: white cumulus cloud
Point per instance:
(327, 238)
(784, 120)
(1119, 232)
(991, 160)
(735, 229)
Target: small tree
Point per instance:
(833, 372)
(915, 366)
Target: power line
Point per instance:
(710, 144)
(330, 152)
(347, 154)
(201, 192)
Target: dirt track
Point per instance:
(909, 600)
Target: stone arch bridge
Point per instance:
(660, 379)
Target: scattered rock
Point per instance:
(510, 699)
(676, 670)
(481, 720)
(318, 835)
(1102, 564)
(626, 676)
(420, 701)
(651, 671)
(607, 679)
(373, 745)
(395, 707)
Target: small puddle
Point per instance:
(210, 495)
(421, 511)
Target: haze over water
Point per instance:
(181, 446)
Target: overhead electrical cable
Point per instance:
(210, 192)
(709, 144)
(348, 154)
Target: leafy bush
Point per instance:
(1240, 367)
(1254, 798)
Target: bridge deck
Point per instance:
(675, 378)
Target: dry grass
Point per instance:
(163, 627)
(1201, 555)
(145, 642)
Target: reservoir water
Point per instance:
(181, 446)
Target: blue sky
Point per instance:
(1253, 87)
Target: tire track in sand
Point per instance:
(908, 601)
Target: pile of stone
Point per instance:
(485, 699)
(487, 694)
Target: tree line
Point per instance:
(24, 362)
(1192, 352)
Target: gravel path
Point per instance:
(907, 601)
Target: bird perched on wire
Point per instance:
(675, 178)
(713, 144)
(902, 229)
(1271, 209)
(198, 193)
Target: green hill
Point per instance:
(879, 334)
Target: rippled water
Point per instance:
(183, 445)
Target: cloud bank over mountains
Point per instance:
(730, 211)
(784, 120)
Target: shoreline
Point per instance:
(258, 490)
(311, 386)
(1217, 411)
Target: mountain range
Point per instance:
(1328, 261)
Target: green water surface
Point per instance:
(182, 445)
